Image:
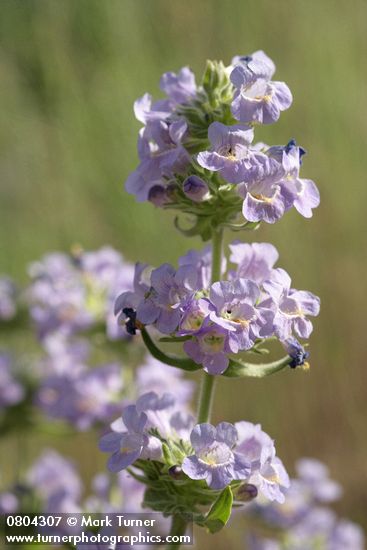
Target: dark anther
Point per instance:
(130, 320)
(299, 359)
(292, 143)
(246, 58)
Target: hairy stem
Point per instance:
(208, 381)
(178, 528)
(206, 398)
(180, 362)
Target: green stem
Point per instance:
(206, 398)
(241, 368)
(217, 248)
(172, 360)
(208, 381)
(178, 528)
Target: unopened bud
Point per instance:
(246, 492)
(175, 472)
(158, 195)
(196, 189)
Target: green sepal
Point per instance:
(216, 83)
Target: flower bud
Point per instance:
(196, 189)
(296, 352)
(246, 492)
(158, 195)
(175, 472)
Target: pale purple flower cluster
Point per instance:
(70, 293)
(82, 396)
(9, 503)
(220, 455)
(54, 482)
(115, 494)
(11, 390)
(303, 520)
(8, 295)
(132, 438)
(257, 98)
(160, 143)
(155, 376)
(57, 483)
(267, 178)
(236, 452)
(255, 302)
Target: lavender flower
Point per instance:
(180, 87)
(256, 65)
(300, 522)
(115, 494)
(347, 536)
(269, 195)
(234, 308)
(161, 304)
(215, 459)
(131, 437)
(82, 397)
(8, 503)
(127, 446)
(254, 261)
(145, 109)
(161, 155)
(293, 306)
(200, 262)
(267, 471)
(209, 347)
(196, 189)
(257, 98)
(55, 479)
(154, 376)
(8, 306)
(307, 195)
(194, 314)
(11, 391)
(230, 153)
(132, 298)
(314, 476)
(73, 293)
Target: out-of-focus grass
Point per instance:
(70, 73)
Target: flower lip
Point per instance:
(217, 454)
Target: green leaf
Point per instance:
(220, 512)
(239, 369)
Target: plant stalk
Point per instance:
(179, 525)
(178, 528)
(208, 380)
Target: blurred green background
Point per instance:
(70, 71)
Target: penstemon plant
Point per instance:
(197, 157)
(215, 310)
